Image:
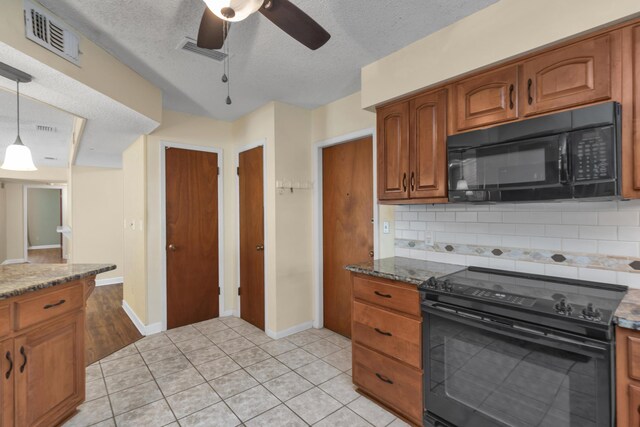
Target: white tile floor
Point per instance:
(226, 372)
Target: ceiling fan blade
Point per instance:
(296, 23)
(211, 34)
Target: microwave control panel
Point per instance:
(593, 154)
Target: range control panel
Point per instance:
(500, 296)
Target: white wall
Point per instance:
(3, 223)
(14, 221)
(43, 216)
(599, 239)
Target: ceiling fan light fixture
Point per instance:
(233, 10)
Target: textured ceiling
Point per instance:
(111, 127)
(54, 144)
(266, 64)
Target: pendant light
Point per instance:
(18, 156)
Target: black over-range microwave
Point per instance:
(569, 155)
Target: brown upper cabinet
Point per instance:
(412, 150)
(393, 152)
(486, 99)
(575, 75)
(631, 112)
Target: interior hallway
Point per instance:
(45, 256)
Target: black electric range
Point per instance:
(505, 349)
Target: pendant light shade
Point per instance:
(18, 156)
(233, 10)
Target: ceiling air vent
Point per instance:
(43, 128)
(49, 32)
(190, 46)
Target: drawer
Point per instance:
(392, 382)
(47, 304)
(387, 295)
(389, 333)
(5, 319)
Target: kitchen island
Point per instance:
(42, 318)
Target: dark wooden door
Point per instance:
(575, 75)
(192, 236)
(393, 152)
(347, 226)
(49, 371)
(251, 197)
(428, 151)
(7, 367)
(487, 99)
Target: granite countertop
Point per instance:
(628, 312)
(17, 279)
(406, 270)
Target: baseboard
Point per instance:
(110, 281)
(44, 247)
(227, 313)
(145, 330)
(13, 261)
(289, 331)
(235, 313)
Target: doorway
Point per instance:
(192, 236)
(43, 220)
(347, 225)
(251, 232)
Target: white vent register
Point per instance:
(51, 33)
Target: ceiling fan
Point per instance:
(293, 21)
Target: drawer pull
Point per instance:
(48, 306)
(8, 356)
(24, 355)
(383, 378)
(382, 295)
(383, 332)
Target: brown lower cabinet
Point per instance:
(387, 341)
(42, 367)
(627, 377)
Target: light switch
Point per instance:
(385, 227)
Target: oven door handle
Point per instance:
(564, 159)
(508, 327)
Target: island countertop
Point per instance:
(405, 270)
(18, 279)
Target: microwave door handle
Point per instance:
(564, 159)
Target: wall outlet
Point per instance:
(385, 227)
(428, 238)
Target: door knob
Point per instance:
(371, 253)
(172, 247)
(259, 247)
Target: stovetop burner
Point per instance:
(553, 301)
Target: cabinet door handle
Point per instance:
(382, 295)
(511, 88)
(383, 378)
(383, 332)
(404, 182)
(8, 356)
(529, 84)
(24, 356)
(48, 306)
(413, 181)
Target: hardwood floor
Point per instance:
(108, 327)
(45, 256)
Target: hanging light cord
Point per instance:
(18, 105)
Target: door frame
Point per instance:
(260, 143)
(163, 222)
(317, 227)
(25, 206)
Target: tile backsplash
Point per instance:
(597, 241)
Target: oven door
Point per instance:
(482, 372)
(533, 169)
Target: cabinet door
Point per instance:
(487, 99)
(428, 151)
(631, 113)
(50, 371)
(634, 406)
(567, 77)
(393, 152)
(7, 375)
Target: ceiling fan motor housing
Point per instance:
(234, 10)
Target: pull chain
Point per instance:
(228, 61)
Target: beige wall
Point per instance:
(14, 221)
(99, 70)
(135, 232)
(501, 31)
(97, 209)
(3, 223)
(198, 131)
(42, 175)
